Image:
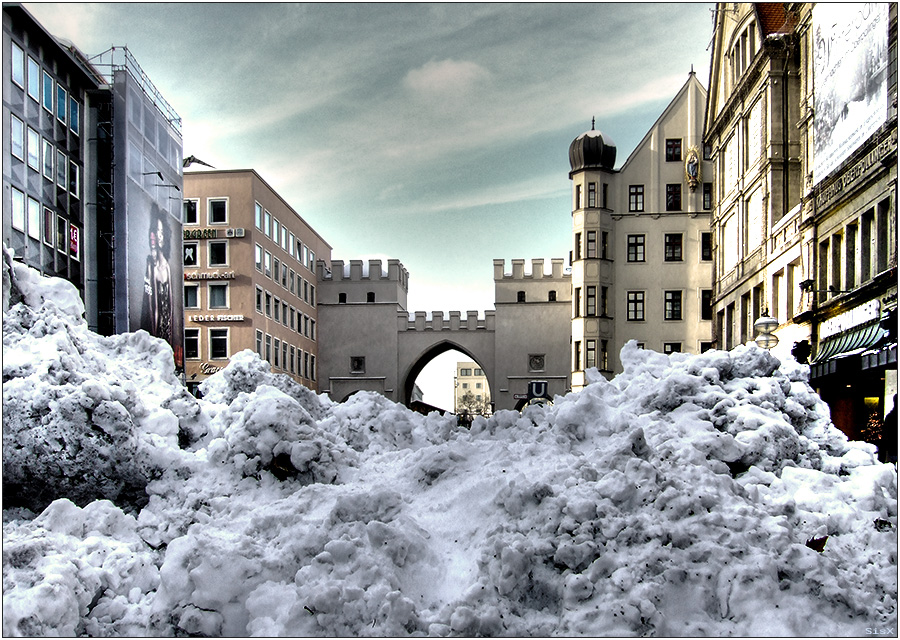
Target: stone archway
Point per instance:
(419, 363)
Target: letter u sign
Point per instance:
(537, 389)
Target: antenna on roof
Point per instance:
(592, 122)
(692, 68)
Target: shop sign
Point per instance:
(199, 234)
(216, 318)
(853, 318)
(209, 275)
(209, 369)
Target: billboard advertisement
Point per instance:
(148, 219)
(850, 67)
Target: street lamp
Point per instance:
(764, 326)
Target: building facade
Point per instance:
(472, 393)
(802, 123)
(249, 277)
(45, 134)
(91, 178)
(642, 261)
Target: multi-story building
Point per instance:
(642, 257)
(45, 133)
(472, 393)
(91, 178)
(249, 276)
(802, 121)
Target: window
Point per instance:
(284, 275)
(268, 223)
(218, 253)
(590, 354)
(551, 295)
(357, 364)
(284, 312)
(218, 211)
(189, 212)
(673, 197)
(218, 296)
(34, 224)
(190, 254)
(49, 217)
(17, 137)
(636, 197)
(605, 196)
(49, 153)
(259, 299)
(465, 372)
(34, 79)
(18, 65)
(635, 305)
(291, 279)
(74, 110)
(673, 247)
(604, 244)
(62, 164)
(576, 302)
(276, 268)
(707, 196)
(671, 347)
(635, 244)
(293, 356)
(18, 209)
(191, 296)
(591, 301)
(276, 307)
(284, 355)
(604, 301)
(706, 304)
(342, 298)
(478, 372)
(259, 344)
(192, 344)
(592, 194)
(312, 260)
(576, 356)
(673, 149)
(62, 232)
(577, 196)
(62, 103)
(276, 350)
(591, 244)
(258, 215)
(276, 229)
(370, 296)
(267, 264)
(259, 258)
(34, 149)
(706, 245)
(268, 304)
(74, 179)
(673, 305)
(707, 151)
(218, 344)
(520, 296)
(578, 246)
(48, 92)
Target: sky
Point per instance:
(434, 133)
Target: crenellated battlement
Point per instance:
(537, 270)
(359, 271)
(419, 321)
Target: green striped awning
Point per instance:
(844, 344)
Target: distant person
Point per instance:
(156, 314)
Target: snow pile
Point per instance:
(692, 495)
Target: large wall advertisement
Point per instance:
(850, 65)
(150, 219)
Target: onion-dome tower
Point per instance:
(592, 150)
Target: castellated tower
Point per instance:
(642, 245)
(358, 310)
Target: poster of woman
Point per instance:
(157, 309)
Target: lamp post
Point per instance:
(764, 327)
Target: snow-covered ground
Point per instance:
(690, 496)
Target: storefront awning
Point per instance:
(843, 345)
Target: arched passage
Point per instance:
(413, 371)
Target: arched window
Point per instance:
(342, 298)
(370, 296)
